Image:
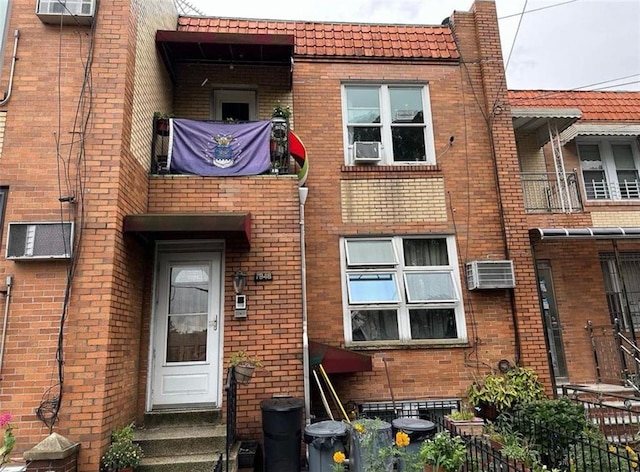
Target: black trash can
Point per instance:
(282, 433)
(324, 439)
(418, 431)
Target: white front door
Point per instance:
(186, 334)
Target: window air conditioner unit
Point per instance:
(38, 241)
(67, 12)
(490, 274)
(367, 152)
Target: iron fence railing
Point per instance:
(617, 416)
(551, 192)
(231, 387)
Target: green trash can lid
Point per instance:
(413, 424)
(325, 429)
(282, 404)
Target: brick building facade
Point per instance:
(414, 172)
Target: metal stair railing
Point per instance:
(631, 349)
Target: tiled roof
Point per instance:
(595, 106)
(341, 39)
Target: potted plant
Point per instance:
(243, 366)
(281, 111)
(464, 421)
(498, 392)
(123, 454)
(443, 453)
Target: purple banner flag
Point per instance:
(219, 149)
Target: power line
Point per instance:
(515, 36)
(535, 9)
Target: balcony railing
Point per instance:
(278, 146)
(551, 192)
(621, 190)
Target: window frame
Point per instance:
(612, 190)
(403, 306)
(386, 124)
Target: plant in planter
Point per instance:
(464, 421)
(498, 392)
(443, 453)
(123, 454)
(244, 366)
(281, 111)
(8, 441)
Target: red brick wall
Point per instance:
(273, 328)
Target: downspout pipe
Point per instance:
(7, 294)
(302, 193)
(14, 58)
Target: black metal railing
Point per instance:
(551, 192)
(617, 416)
(586, 451)
(231, 387)
(278, 146)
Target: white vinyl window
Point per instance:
(402, 289)
(387, 124)
(610, 169)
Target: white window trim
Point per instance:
(403, 307)
(385, 124)
(608, 163)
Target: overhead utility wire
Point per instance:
(535, 10)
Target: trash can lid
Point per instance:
(413, 424)
(329, 428)
(282, 404)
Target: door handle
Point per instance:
(214, 323)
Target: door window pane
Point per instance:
(371, 288)
(374, 325)
(189, 290)
(187, 338)
(433, 324)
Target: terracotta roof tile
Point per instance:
(347, 40)
(603, 106)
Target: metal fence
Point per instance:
(231, 387)
(550, 192)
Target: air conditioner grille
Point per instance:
(490, 274)
(66, 11)
(39, 240)
(366, 151)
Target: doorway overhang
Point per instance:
(151, 226)
(614, 232)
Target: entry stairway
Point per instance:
(184, 441)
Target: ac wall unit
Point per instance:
(490, 274)
(367, 152)
(37, 241)
(66, 12)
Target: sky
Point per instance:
(554, 45)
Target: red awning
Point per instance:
(336, 360)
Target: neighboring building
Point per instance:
(121, 262)
(579, 160)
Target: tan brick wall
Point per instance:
(615, 218)
(153, 90)
(393, 201)
(3, 122)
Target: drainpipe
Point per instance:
(7, 294)
(16, 35)
(302, 192)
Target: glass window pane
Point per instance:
(373, 288)
(430, 286)
(364, 133)
(406, 105)
(425, 252)
(433, 324)
(590, 157)
(374, 325)
(187, 338)
(363, 105)
(623, 156)
(189, 290)
(408, 144)
(370, 252)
